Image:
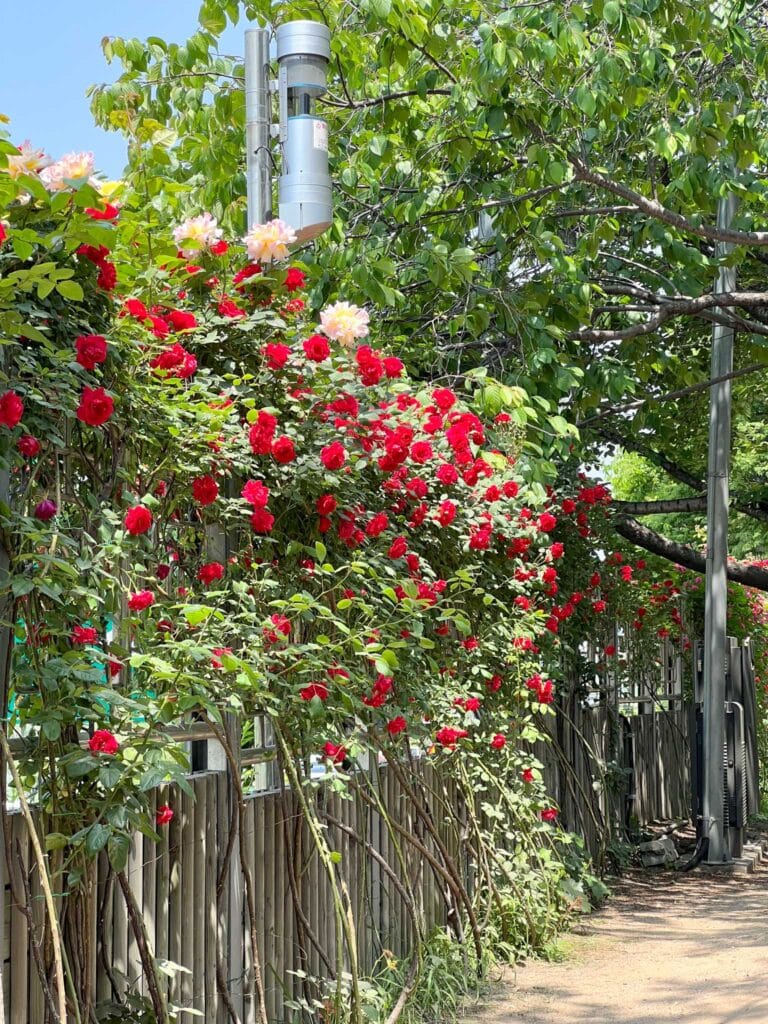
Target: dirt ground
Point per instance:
(689, 948)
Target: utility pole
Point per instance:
(258, 122)
(716, 594)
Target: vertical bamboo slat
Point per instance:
(19, 931)
(196, 904)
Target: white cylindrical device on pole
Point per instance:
(258, 122)
(304, 187)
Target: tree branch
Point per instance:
(390, 96)
(654, 209)
(663, 506)
(682, 554)
(673, 395)
(667, 308)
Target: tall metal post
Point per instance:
(716, 599)
(258, 121)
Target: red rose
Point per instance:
(84, 635)
(107, 276)
(294, 279)
(396, 725)
(493, 685)
(546, 522)
(283, 450)
(280, 625)
(103, 742)
(11, 409)
(446, 513)
(421, 451)
(262, 432)
(334, 455)
(96, 406)
(449, 737)
(137, 520)
(160, 328)
(205, 490)
(176, 361)
(510, 489)
(96, 254)
(46, 510)
(447, 474)
(262, 521)
(316, 348)
(163, 815)
(317, 689)
(28, 445)
(480, 537)
(180, 320)
(527, 775)
(276, 355)
(220, 248)
(136, 309)
(443, 398)
(377, 525)
(209, 572)
(335, 753)
(371, 367)
(398, 547)
(255, 493)
(141, 600)
(230, 309)
(109, 212)
(498, 742)
(393, 366)
(325, 505)
(243, 275)
(91, 349)
(549, 814)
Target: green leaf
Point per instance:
(118, 847)
(70, 290)
(196, 613)
(213, 20)
(555, 172)
(51, 729)
(612, 12)
(585, 100)
(96, 838)
(21, 586)
(379, 8)
(56, 841)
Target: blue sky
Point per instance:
(52, 53)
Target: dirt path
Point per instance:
(688, 949)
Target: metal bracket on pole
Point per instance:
(258, 121)
(716, 594)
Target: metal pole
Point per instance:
(258, 122)
(716, 595)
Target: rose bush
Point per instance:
(219, 502)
